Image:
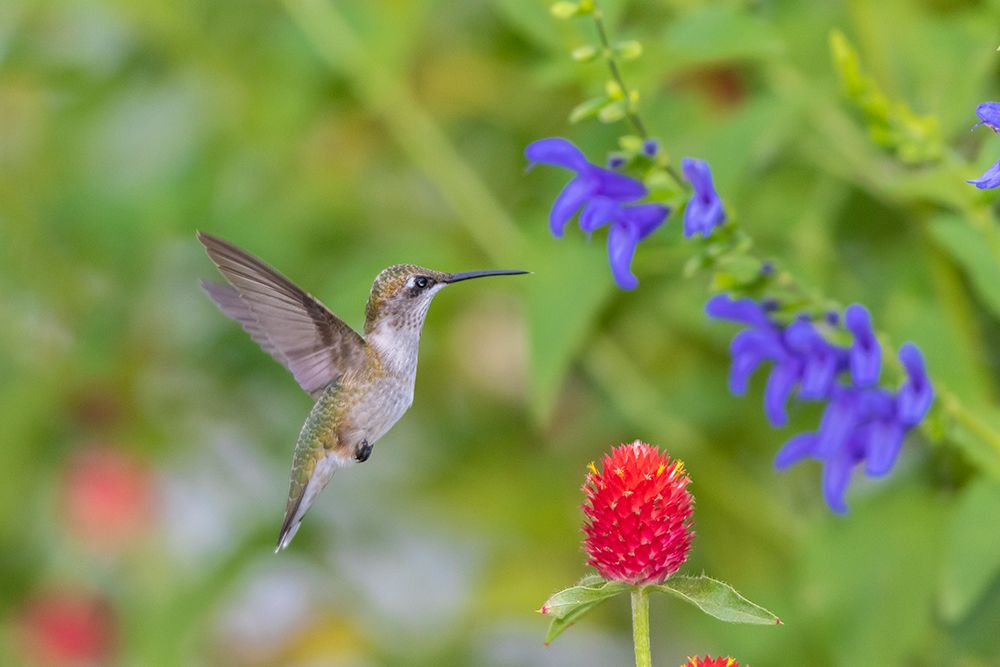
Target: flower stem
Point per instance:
(602, 34)
(640, 627)
(616, 74)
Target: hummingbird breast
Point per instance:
(381, 391)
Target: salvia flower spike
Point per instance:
(638, 509)
(862, 422)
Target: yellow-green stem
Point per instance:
(640, 627)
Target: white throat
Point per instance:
(396, 347)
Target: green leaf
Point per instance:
(717, 599)
(972, 554)
(561, 625)
(562, 604)
(972, 252)
(570, 604)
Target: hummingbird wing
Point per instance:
(289, 324)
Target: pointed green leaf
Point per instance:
(561, 625)
(562, 604)
(571, 604)
(717, 599)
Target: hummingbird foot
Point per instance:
(363, 451)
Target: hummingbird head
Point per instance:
(402, 293)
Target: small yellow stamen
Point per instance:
(659, 471)
(592, 468)
(620, 471)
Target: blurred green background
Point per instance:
(145, 440)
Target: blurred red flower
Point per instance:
(710, 662)
(638, 513)
(106, 498)
(67, 629)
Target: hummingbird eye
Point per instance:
(420, 282)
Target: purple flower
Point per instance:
(862, 422)
(602, 197)
(704, 211)
(989, 115)
(866, 354)
(650, 147)
(629, 225)
(590, 181)
(916, 396)
(990, 178)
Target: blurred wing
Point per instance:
(291, 326)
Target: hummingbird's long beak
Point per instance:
(456, 277)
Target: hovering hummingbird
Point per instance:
(362, 384)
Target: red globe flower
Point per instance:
(107, 498)
(710, 662)
(67, 629)
(638, 515)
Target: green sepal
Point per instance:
(570, 604)
(613, 112)
(585, 54)
(587, 108)
(631, 143)
(717, 599)
(565, 10)
(736, 271)
(629, 50)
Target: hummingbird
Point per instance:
(362, 384)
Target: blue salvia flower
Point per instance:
(603, 197)
(990, 178)
(704, 211)
(862, 422)
(989, 115)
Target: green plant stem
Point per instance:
(602, 34)
(640, 627)
(616, 74)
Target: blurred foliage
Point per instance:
(334, 139)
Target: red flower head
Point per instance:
(710, 662)
(107, 498)
(638, 515)
(67, 629)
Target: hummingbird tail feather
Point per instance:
(300, 502)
